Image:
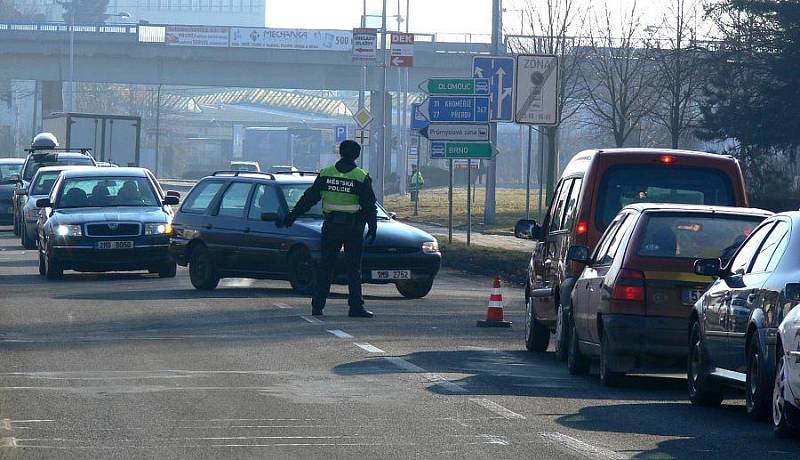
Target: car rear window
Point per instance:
(8, 170)
(627, 184)
(695, 237)
(201, 197)
(32, 166)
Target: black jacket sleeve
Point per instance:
(366, 198)
(311, 197)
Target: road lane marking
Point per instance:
(5, 424)
(497, 409)
(494, 439)
(238, 282)
(8, 442)
(340, 333)
(585, 449)
(311, 319)
(282, 305)
(368, 348)
(429, 376)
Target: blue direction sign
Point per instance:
(455, 109)
(500, 72)
(438, 150)
(417, 120)
(341, 133)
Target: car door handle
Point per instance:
(547, 263)
(752, 297)
(247, 229)
(209, 226)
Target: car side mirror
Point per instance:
(22, 191)
(44, 203)
(10, 180)
(708, 267)
(270, 216)
(171, 200)
(392, 215)
(174, 193)
(578, 254)
(792, 292)
(527, 229)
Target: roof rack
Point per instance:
(237, 173)
(85, 151)
(302, 173)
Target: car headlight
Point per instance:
(69, 230)
(430, 247)
(164, 228)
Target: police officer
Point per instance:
(348, 204)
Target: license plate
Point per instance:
(690, 296)
(115, 245)
(391, 274)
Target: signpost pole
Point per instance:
(491, 172)
(469, 200)
(361, 94)
(541, 172)
(450, 204)
(381, 151)
(528, 176)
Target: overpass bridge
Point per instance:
(115, 53)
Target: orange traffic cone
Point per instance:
(494, 312)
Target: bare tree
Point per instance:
(678, 59)
(618, 75)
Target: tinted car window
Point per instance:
(626, 184)
(615, 242)
(32, 166)
(8, 170)
(606, 240)
(560, 204)
(265, 199)
(201, 197)
(770, 246)
(234, 200)
(44, 183)
(694, 237)
(81, 192)
(570, 214)
(745, 255)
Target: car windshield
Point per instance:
(8, 170)
(32, 166)
(293, 192)
(44, 182)
(628, 184)
(695, 237)
(81, 192)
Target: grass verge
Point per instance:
(512, 266)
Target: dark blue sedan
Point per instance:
(226, 228)
(104, 219)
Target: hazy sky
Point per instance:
(427, 16)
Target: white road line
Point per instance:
(494, 439)
(585, 449)
(8, 442)
(497, 409)
(429, 376)
(311, 319)
(5, 424)
(238, 282)
(282, 305)
(341, 334)
(368, 348)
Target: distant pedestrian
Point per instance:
(417, 181)
(348, 204)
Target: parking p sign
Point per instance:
(341, 133)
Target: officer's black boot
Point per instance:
(360, 312)
(316, 311)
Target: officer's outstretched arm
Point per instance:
(366, 199)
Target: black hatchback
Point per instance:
(226, 228)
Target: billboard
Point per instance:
(301, 39)
(196, 36)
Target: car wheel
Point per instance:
(414, 289)
(757, 385)
(608, 378)
(783, 414)
(42, 265)
(168, 270)
(562, 334)
(52, 269)
(202, 272)
(537, 337)
(27, 241)
(302, 272)
(702, 391)
(577, 362)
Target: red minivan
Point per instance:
(593, 188)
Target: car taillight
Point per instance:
(629, 286)
(666, 159)
(581, 228)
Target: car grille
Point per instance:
(113, 229)
(389, 250)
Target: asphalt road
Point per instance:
(132, 366)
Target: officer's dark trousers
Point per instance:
(338, 231)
